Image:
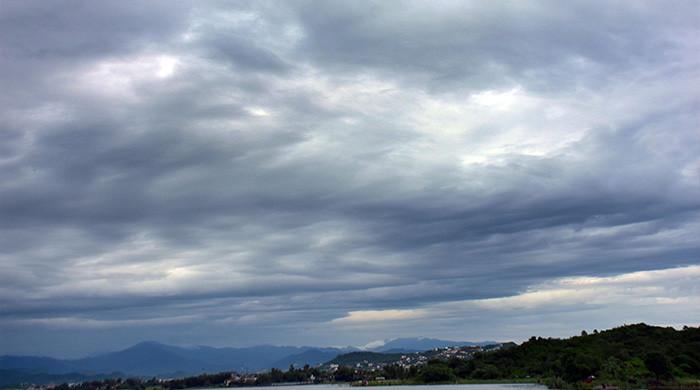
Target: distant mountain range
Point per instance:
(155, 359)
(420, 344)
(151, 358)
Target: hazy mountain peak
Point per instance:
(416, 344)
(147, 343)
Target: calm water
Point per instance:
(489, 386)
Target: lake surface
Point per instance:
(488, 386)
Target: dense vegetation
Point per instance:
(629, 355)
(620, 354)
(305, 374)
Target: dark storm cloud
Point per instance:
(481, 45)
(274, 168)
(35, 30)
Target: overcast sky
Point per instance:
(337, 172)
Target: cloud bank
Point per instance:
(339, 172)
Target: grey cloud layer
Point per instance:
(270, 166)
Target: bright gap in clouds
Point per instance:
(498, 100)
(661, 296)
(122, 77)
(166, 66)
(362, 316)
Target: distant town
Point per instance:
(372, 362)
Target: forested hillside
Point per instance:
(633, 353)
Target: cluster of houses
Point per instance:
(446, 353)
(364, 365)
(418, 359)
(463, 352)
(241, 379)
(414, 359)
(41, 387)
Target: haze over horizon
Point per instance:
(385, 345)
(338, 172)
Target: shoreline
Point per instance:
(459, 382)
